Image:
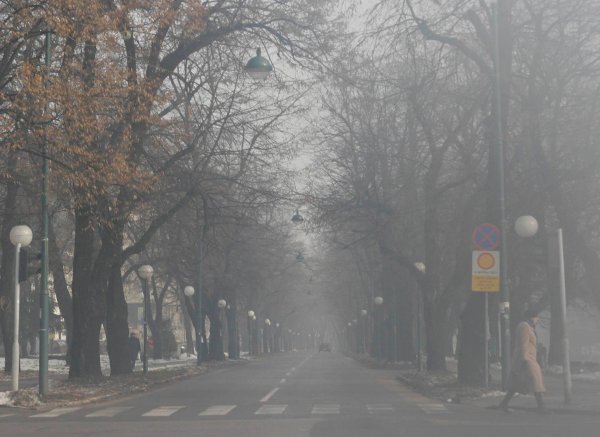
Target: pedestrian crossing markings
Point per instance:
(224, 410)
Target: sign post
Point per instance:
(485, 276)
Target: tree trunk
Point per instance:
(215, 346)
(63, 297)
(117, 328)
(155, 322)
(471, 342)
(405, 320)
(435, 329)
(6, 272)
(88, 302)
(232, 328)
(189, 336)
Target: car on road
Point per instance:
(324, 347)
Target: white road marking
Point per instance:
(433, 408)
(217, 410)
(304, 361)
(293, 369)
(162, 411)
(326, 409)
(288, 373)
(379, 408)
(270, 394)
(271, 409)
(282, 381)
(6, 415)
(108, 412)
(57, 412)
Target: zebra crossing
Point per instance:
(223, 411)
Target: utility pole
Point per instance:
(44, 304)
(501, 211)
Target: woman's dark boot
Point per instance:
(541, 409)
(504, 404)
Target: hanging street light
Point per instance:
(297, 218)
(258, 67)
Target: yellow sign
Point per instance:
(485, 276)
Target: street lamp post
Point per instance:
(421, 268)
(221, 304)
(44, 298)
(526, 227)
(267, 336)
(498, 155)
(145, 272)
(189, 291)
(378, 331)
(251, 318)
(20, 236)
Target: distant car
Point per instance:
(326, 347)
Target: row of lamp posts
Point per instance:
(258, 67)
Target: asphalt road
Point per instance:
(290, 395)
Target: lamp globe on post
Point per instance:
(20, 236)
(258, 67)
(189, 291)
(222, 303)
(145, 272)
(526, 226)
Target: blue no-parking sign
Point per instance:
(486, 237)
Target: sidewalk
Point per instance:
(64, 392)
(585, 397)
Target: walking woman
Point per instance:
(525, 373)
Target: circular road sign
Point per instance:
(486, 237)
(486, 261)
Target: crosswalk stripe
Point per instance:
(162, 411)
(271, 409)
(6, 415)
(57, 412)
(217, 410)
(108, 412)
(433, 408)
(326, 409)
(379, 408)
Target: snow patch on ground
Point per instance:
(5, 398)
(595, 376)
(493, 394)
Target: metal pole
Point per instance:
(486, 330)
(44, 300)
(419, 354)
(15, 351)
(394, 327)
(145, 355)
(563, 316)
(499, 156)
(198, 295)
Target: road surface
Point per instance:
(318, 394)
